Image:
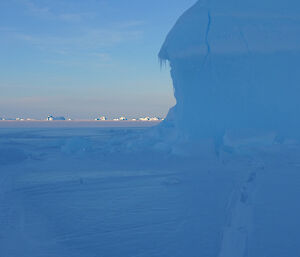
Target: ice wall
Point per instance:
(235, 65)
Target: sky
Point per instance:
(82, 59)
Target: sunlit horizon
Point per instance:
(82, 59)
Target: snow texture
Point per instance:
(78, 192)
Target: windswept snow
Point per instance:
(68, 194)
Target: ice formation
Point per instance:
(235, 66)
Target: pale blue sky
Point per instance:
(85, 58)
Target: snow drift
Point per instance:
(235, 66)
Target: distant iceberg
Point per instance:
(50, 117)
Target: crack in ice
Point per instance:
(206, 37)
(244, 40)
(207, 33)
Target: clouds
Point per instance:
(87, 47)
(55, 46)
(35, 9)
(58, 28)
(87, 38)
(51, 11)
(64, 27)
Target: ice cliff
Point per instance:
(235, 66)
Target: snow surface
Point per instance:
(79, 192)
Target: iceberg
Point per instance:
(235, 67)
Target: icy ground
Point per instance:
(83, 192)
